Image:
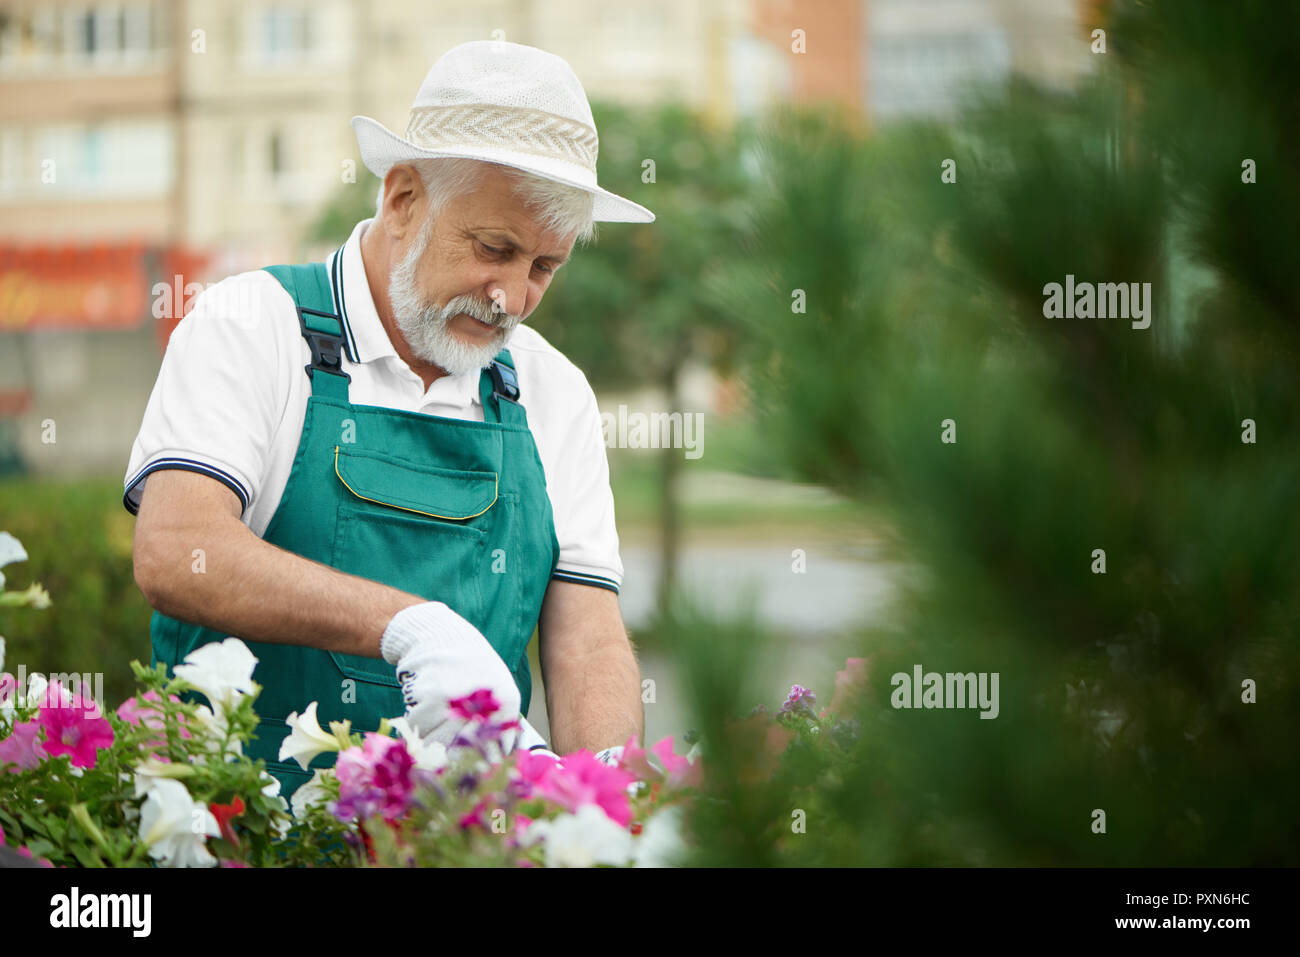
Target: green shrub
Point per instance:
(78, 540)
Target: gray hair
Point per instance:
(564, 209)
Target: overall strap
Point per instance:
(321, 326)
(499, 391)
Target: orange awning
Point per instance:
(101, 286)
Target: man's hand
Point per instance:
(439, 656)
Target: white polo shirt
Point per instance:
(232, 393)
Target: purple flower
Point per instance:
(374, 779)
(484, 736)
(799, 701)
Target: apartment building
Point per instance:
(150, 146)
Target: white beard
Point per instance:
(424, 325)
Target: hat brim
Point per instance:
(382, 149)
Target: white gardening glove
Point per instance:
(530, 739)
(440, 656)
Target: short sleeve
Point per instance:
(584, 503)
(219, 392)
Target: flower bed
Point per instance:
(164, 781)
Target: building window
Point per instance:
(276, 155)
(929, 73)
(110, 160)
(78, 33)
(11, 161)
(92, 158)
(106, 34)
(237, 157)
(285, 33)
(139, 30)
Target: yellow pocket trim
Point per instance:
(495, 493)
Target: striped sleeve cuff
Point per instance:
(131, 497)
(585, 578)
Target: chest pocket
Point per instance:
(419, 528)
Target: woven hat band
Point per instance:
(517, 129)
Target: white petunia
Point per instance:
(2, 645)
(174, 826)
(272, 787)
(11, 550)
(306, 739)
(36, 688)
(311, 793)
(151, 770)
(221, 670)
(428, 756)
(660, 843)
(216, 728)
(272, 790)
(583, 839)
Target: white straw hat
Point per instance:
(502, 103)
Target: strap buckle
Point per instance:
(326, 348)
(505, 384)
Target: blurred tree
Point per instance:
(78, 538)
(350, 204)
(1127, 689)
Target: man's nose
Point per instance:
(508, 297)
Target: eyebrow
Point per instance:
(504, 241)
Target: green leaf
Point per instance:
(59, 793)
(40, 847)
(86, 855)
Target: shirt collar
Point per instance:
(367, 341)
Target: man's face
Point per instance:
(468, 278)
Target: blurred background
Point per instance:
(859, 203)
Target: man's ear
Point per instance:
(404, 198)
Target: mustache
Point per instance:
(484, 312)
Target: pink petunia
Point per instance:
(530, 768)
(481, 702)
(133, 712)
(77, 729)
(375, 778)
(475, 817)
(634, 760)
(850, 682)
(54, 696)
(680, 772)
(580, 779)
(22, 747)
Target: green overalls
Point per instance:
(447, 509)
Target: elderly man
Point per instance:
(343, 464)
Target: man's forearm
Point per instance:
(257, 591)
(594, 701)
